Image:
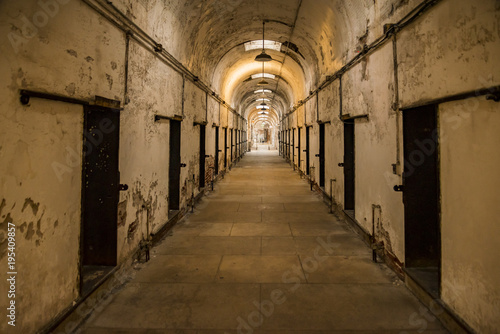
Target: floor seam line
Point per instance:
(218, 269)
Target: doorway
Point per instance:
(421, 197)
(289, 143)
(308, 132)
(225, 148)
(237, 145)
(216, 162)
(322, 155)
(202, 155)
(101, 180)
(174, 167)
(232, 147)
(299, 148)
(349, 167)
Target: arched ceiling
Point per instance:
(208, 36)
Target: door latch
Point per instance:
(318, 155)
(123, 187)
(341, 164)
(399, 188)
(183, 165)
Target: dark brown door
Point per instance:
(100, 186)
(322, 155)
(421, 188)
(216, 150)
(349, 165)
(202, 155)
(174, 167)
(298, 147)
(307, 149)
(232, 146)
(225, 147)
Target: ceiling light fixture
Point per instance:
(263, 82)
(263, 57)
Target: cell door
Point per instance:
(322, 155)
(308, 145)
(100, 186)
(202, 155)
(216, 150)
(225, 147)
(237, 144)
(421, 195)
(298, 148)
(349, 165)
(174, 167)
(293, 146)
(232, 146)
(289, 143)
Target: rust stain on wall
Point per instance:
(34, 206)
(122, 213)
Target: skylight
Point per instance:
(257, 45)
(262, 91)
(260, 107)
(265, 75)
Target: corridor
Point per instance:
(262, 254)
(116, 116)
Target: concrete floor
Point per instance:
(262, 242)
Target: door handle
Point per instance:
(399, 188)
(219, 150)
(341, 164)
(207, 156)
(305, 151)
(183, 165)
(123, 187)
(318, 155)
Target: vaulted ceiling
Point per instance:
(317, 37)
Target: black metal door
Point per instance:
(349, 165)
(307, 149)
(202, 156)
(100, 186)
(288, 145)
(216, 150)
(421, 188)
(232, 146)
(225, 147)
(174, 167)
(237, 144)
(293, 146)
(298, 147)
(322, 155)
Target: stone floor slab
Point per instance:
(256, 269)
(261, 229)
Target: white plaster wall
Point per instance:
(450, 50)
(144, 147)
(56, 57)
(368, 88)
(40, 187)
(334, 140)
(469, 157)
